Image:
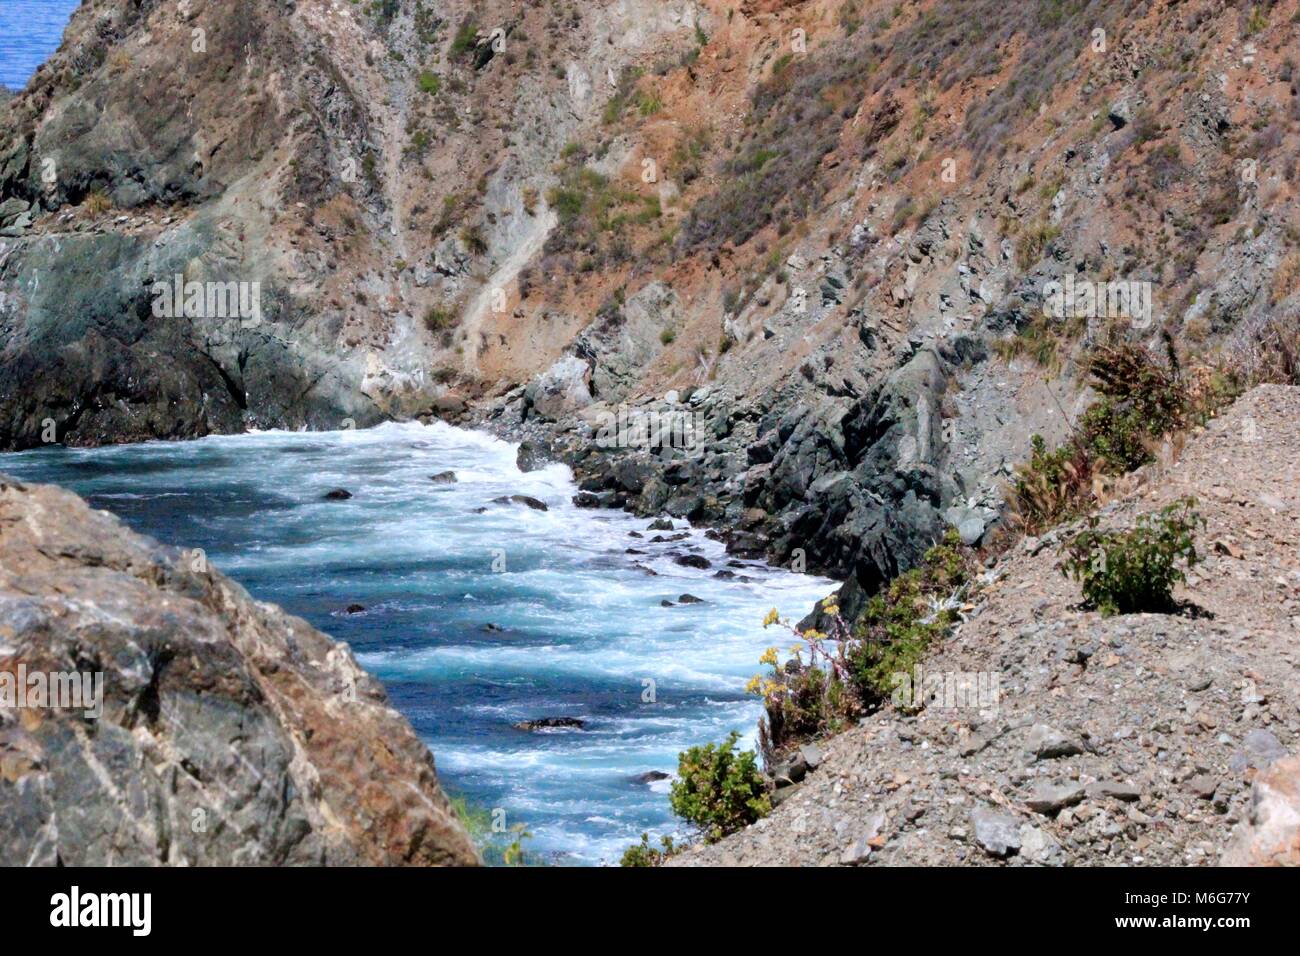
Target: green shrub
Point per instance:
(436, 318)
(718, 790)
(430, 83)
(643, 854)
(899, 624)
(1052, 486)
(463, 42)
(851, 670)
(1130, 572)
(1143, 399)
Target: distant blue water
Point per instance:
(583, 629)
(30, 30)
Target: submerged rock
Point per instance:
(338, 494)
(547, 723)
(651, 776)
(534, 503)
(228, 732)
(444, 478)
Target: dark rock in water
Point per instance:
(662, 538)
(338, 494)
(633, 551)
(209, 700)
(534, 503)
(635, 534)
(586, 499)
(531, 456)
(650, 571)
(443, 478)
(496, 628)
(690, 599)
(478, 511)
(651, 776)
(724, 575)
(693, 561)
(660, 524)
(355, 608)
(544, 723)
(666, 603)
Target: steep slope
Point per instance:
(226, 732)
(1132, 739)
(827, 228)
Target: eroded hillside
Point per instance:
(825, 228)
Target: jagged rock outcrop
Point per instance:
(229, 732)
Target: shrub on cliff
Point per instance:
(1130, 572)
(719, 790)
(643, 854)
(852, 669)
(1145, 400)
(899, 624)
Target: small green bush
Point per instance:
(900, 623)
(643, 854)
(718, 790)
(436, 318)
(430, 83)
(1130, 572)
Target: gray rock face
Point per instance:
(230, 733)
(560, 390)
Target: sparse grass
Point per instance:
(97, 202)
(594, 215)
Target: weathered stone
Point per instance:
(231, 733)
(997, 833)
(1270, 836)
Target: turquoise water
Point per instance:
(30, 30)
(582, 632)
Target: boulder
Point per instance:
(228, 733)
(996, 832)
(443, 478)
(535, 503)
(560, 390)
(1270, 835)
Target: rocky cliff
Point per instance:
(1138, 739)
(826, 228)
(213, 729)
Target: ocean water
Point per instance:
(582, 632)
(30, 30)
